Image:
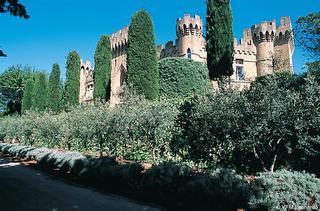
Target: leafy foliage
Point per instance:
(284, 190)
(54, 89)
(102, 73)
(72, 84)
(28, 95)
(180, 77)
(39, 100)
(219, 38)
(142, 62)
(140, 130)
(14, 8)
(12, 82)
(307, 33)
(210, 130)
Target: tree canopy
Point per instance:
(54, 89)
(39, 100)
(12, 82)
(219, 38)
(307, 33)
(102, 69)
(142, 62)
(72, 85)
(14, 8)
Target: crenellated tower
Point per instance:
(86, 82)
(190, 41)
(119, 45)
(284, 46)
(263, 38)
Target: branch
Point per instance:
(258, 157)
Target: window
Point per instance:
(239, 61)
(189, 54)
(239, 73)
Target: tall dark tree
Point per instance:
(102, 69)
(72, 86)
(143, 72)
(54, 89)
(219, 38)
(39, 100)
(14, 8)
(307, 33)
(27, 95)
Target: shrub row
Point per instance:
(140, 130)
(273, 125)
(177, 186)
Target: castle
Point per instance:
(264, 49)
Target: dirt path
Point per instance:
(23, 188)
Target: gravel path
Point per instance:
(24, 188)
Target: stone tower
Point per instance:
(284, 46)
(190, 42)
(86, 82)
(263, 38)
(119, 44)
(274, 45)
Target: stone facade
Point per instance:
(264, 49)
(119, 43)
(86, 82)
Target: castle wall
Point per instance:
(284, 46)
(264, 49)
(119, 44)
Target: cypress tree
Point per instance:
(72, 85)
(102, 69)
(219, 38)
(27, 95)
(39, 100)
(142, 62)
(54, 89)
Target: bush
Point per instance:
(140, 131)
(180, 77)
(173, 185)
(284, 190)
(211, 127)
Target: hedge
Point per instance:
(170, 184)
(140, 131)
(180, 77)
(177, 186)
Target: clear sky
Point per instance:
(58, 26)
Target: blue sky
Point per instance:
(58, 26)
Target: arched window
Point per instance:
(191, 28)
(196, 29)
(267, 36)
(184, 29)
(189, 54)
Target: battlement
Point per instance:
(119, 38)
(189, 25)
(119, 42)
(264, 31)
(284, 30)
(86, 65)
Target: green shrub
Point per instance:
(284, 190)
(211, 127)
(139, 131)
(180, 77)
